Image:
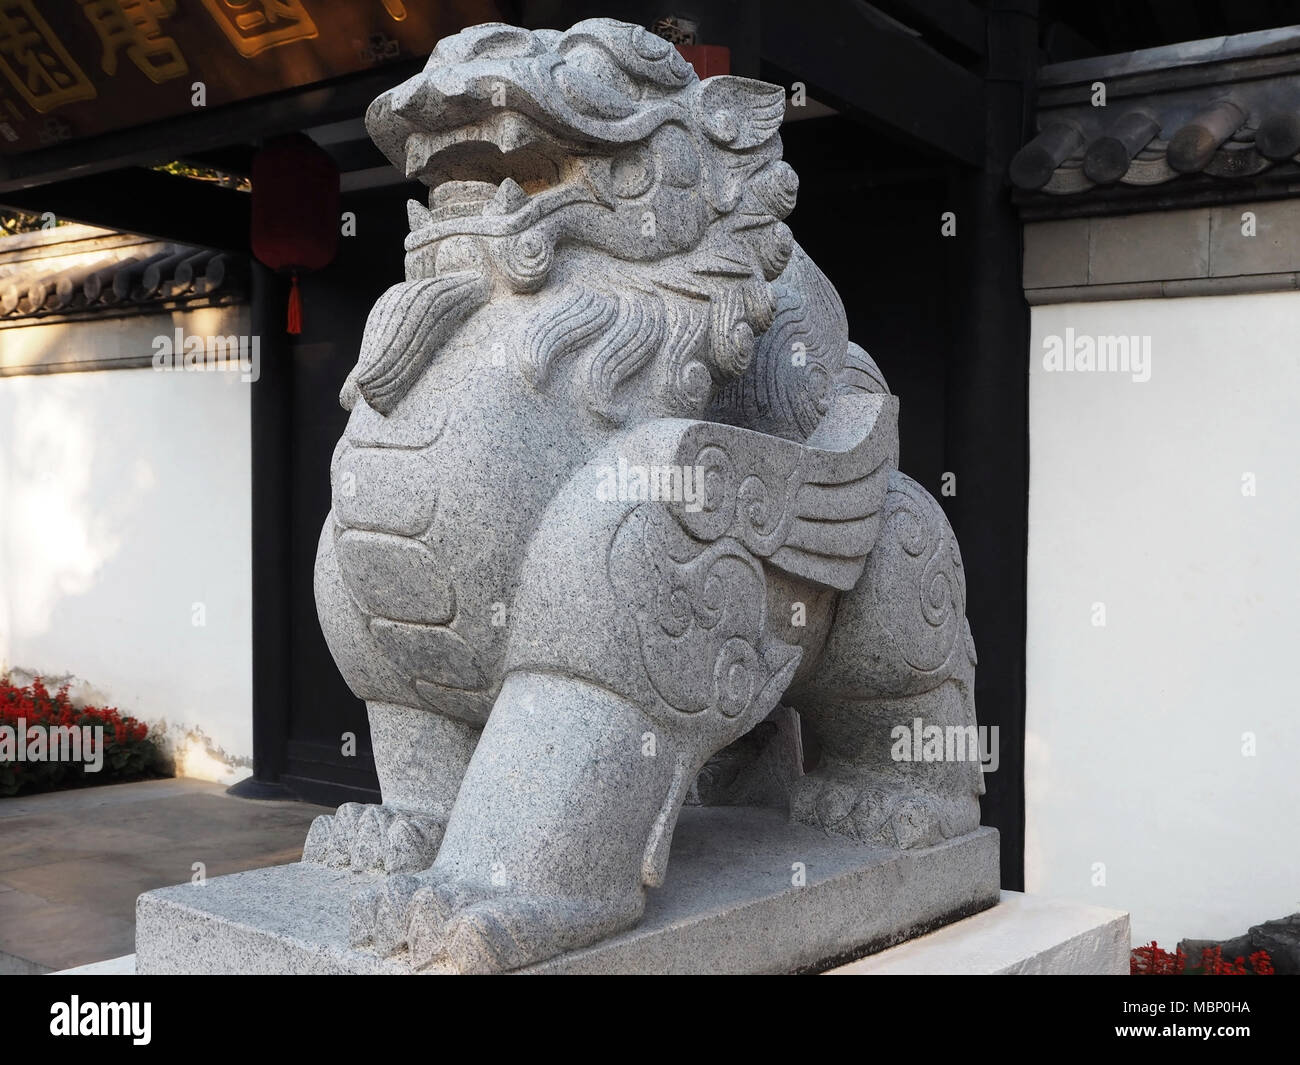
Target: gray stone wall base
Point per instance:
(730, 904)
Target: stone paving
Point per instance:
(73, 862)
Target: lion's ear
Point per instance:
(740, 112)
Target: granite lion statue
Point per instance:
(617, 498)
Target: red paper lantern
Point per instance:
(295, 211)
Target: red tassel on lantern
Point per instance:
(294, 324)
(295, 211)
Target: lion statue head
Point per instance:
(633, 212)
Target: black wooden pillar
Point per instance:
(987, 431)
(272, 433)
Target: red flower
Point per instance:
(1262, 963)
(1150, 960)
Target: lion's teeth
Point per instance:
(508, 199)
(418, 215)
(419, 148)
(449, 192)
(514, 132)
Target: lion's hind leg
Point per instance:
(891, 705)
(420, 757)
(420, 754)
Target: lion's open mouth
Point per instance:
(496, 176)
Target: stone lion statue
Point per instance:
(616, 493)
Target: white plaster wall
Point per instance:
(1135, 734)
(124, 503)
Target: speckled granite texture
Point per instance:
(729, 905)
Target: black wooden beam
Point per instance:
(272, 442)
(888, 79)
(356, 155)
(987, 441)
(205, 129)
(957, 22)
(733, 23)
(236, 159)
(1177, 20)
(148, 202)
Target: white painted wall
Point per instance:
(1134, 751)
(124, 502)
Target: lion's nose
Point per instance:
(415, 98)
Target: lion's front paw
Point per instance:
(370, 838)
(452, 927)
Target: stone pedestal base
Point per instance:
(1024, 935)
(747, 892)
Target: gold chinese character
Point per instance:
(136, 26)
(35, 62)
(253, 26)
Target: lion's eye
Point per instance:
(596, 64)
(592, 95)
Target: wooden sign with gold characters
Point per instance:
(74, 68)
